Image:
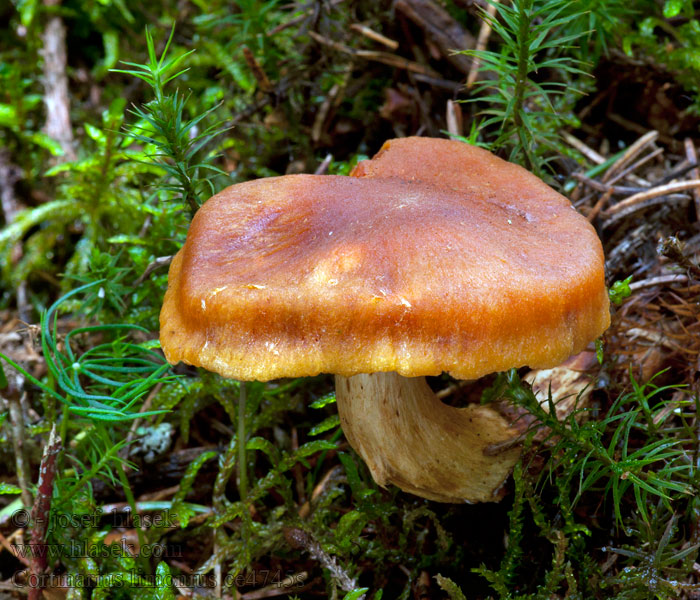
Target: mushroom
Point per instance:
(455, 261)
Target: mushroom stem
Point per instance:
(409, 438)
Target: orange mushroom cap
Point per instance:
(437, 256)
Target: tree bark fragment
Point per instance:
(56, 96)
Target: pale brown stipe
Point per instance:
(409, 438)
(457, 262)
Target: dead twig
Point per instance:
(656, 338)
(598, 206)
(445, 84)
(373, 35)
(386, 58)
(161, 261)
(633, 167)
(642, 205)
(323, 167)
(607, 187)
(589, 153)
(144, 407)
(631, 153)
(257, 70)
(331, 474)
(654, 192)
(637, 128)
(41, 512)
(658, 280)
(450, 389)
(10, 174)
(5, 543)
(300, 539)
(481, 41)
(454, 118)
(333, 99)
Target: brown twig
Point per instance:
(633, 167)
(445, 84)
(654, 192)
(257, 70)
(322, 113)
(41, 511)
(279, 91)
(481, 41)
(10, 174)
(598, 206)
(5, 543)
(637, 128)
(607, 187)
(161, 261)
(300, 539)
(386, 58)
(450, 389)
(323, 167)
(373, 35)
(454, 118)
(631, 153)
(658, 280)
(610, 219)
(588, 152)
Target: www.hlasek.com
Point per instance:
(76, 549)
(134, 579)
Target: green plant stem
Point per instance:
(63, 434)
(524, 8)
(121, 470)
(70, 493)
(242, 475)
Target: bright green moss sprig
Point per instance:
(173, 142)
(517, 101)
